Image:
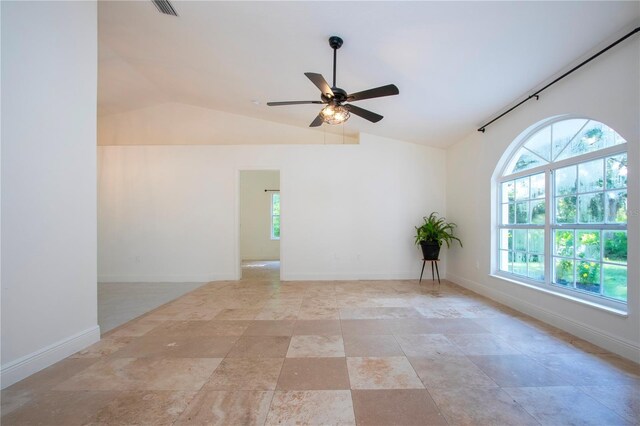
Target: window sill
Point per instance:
(609, 309)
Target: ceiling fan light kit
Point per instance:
(337, 110)
(334, 114)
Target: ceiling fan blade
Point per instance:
(366, 114)
(320, 83)
(317, 121)
(293, 103)
(378, 92)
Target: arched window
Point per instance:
(562, 217)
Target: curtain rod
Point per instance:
(537, 94)
(271, 190)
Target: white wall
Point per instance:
(255, 215)
(606, 90)
(49, 309)
(173, 123)
(169, 213)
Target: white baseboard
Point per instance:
(352, 277)
(27, 365)
(617, 345)
(165, 278)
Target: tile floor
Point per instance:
(261, 352)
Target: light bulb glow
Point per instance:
(334, 114)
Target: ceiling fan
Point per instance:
(337, 110)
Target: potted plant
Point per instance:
(432, 233)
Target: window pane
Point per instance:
(615, 246)
(276, 204)
(522, 212)
(536, 267)
(616, 206)
(276, 226)
(536, 241)
(540, 143)
(508, 192)
(565, 180)
(537, 212)
(592, 137)
(520, 263)
(563, 132)
(590, 176)
(617, 171)
(508, 213)
(588, 276)
(563, 272)
(505, 261)
(506, 239)
(537, 186)
(591, 207)
(564, 242)
(520, 239)
(615, 281)
(522, 188)
(566, 210)
(524, 160)
(588, 244)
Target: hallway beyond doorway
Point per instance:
(260, 270)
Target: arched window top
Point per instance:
(562, 140)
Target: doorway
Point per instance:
(259, 224)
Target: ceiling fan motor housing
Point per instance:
(339, 96)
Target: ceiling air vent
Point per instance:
(164, 6)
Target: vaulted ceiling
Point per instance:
(455, 63)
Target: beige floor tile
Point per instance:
(237, 314)
(455, 326)
(396, 407)
(416, 345)
(360, 327)
(482, 344)
(59, 408)
(378, 313)
(325, 407)
(178, 347)
(474, 406)
(143, 408)
(316, 346)
(517, 371)
(54, 375)
(382, 373)
(314, 374)
(270, 328)
(564, 405)
(200, 328)
(278, 314)
(260, 347)
(318, 313)
(245, 374)
(231, 408)
(10, 400)
(317, 327)
(624, 400)
(104, 347)
(135, 328)
(411, 326)
(591, 369)
(143, 374)
(380, 345)
(450, 371)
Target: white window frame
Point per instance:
(273, 194)
(549, 226)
